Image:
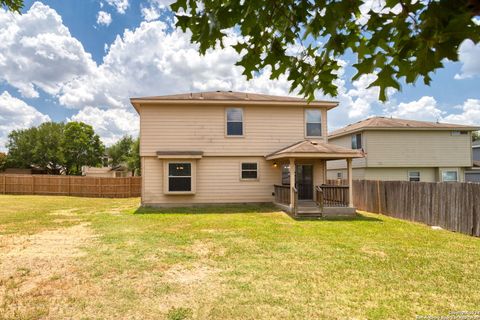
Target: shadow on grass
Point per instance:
(357, 217)
(213, 209)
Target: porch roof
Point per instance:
(314, 149)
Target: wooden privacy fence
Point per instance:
(451, 205)
(71, 186)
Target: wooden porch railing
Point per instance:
(282, 194)
(333, 196)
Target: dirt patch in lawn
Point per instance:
(42, 266)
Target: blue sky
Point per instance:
(83, 59)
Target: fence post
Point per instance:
(378, 197)
(33, 184)
(4, 184)
(129, 187)
(69, 183)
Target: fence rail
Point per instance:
(451, 205)
(282, 194)
(334, 195)
(71, 186)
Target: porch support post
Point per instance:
(292, 182)
(350, 182)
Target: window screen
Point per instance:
(449, 176)
(313, 120)
(414, 176)
(357, 141)
(234, 122)
(249, 170)
(180, 176)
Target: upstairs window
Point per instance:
(234, 122)
(414, 176)
(357, 141)
(249, 171)
(313, 122)
(179, 177)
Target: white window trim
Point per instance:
(447, 170)
(250, 179)
(226, 123)
(166, 175)
(305, 122)
(419, 175)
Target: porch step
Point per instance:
(309, 212)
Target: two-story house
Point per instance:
(405, 150)
(234, 147)
(473, 174)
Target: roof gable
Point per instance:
(385, 123)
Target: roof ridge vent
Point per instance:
(191, 95)
(218, 91)
(201, 95)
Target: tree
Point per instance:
(21, 146)
(401, 41)
(133, 160)
(81, 146)
(475, 135)
(12, 5)
(3, 161)
(120, 151)
(48, 152)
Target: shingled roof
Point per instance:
(224, 96)
(384, 123)
(314, 149)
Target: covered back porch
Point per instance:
(303, 191)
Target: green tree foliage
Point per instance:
(402, 44)
(133, 160)
(81, 146)
(48, 152)
(126, 151)
(3, 161)
(21, 147)
(12, 5)
(55, 147)
(120, 151)
(475, 135)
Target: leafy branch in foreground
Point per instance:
(12, 5)
(397, 40)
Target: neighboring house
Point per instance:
(473, 174)
(234, 147)
(119, 171)
(408, 150)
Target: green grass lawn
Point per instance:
(79, 258)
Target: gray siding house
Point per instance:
(473, 174)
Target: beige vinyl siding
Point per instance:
(202, 128)
(400, 174)
(357, 173)
(418, 149)
(218, 181)
(346, 142)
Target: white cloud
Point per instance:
(425, 109)
(104, 18)
(469, 56)
(470, 113)
(167, 63)
(120, 5)
(38, 51)
(110, 124)
(16, 114)
(154, 8)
